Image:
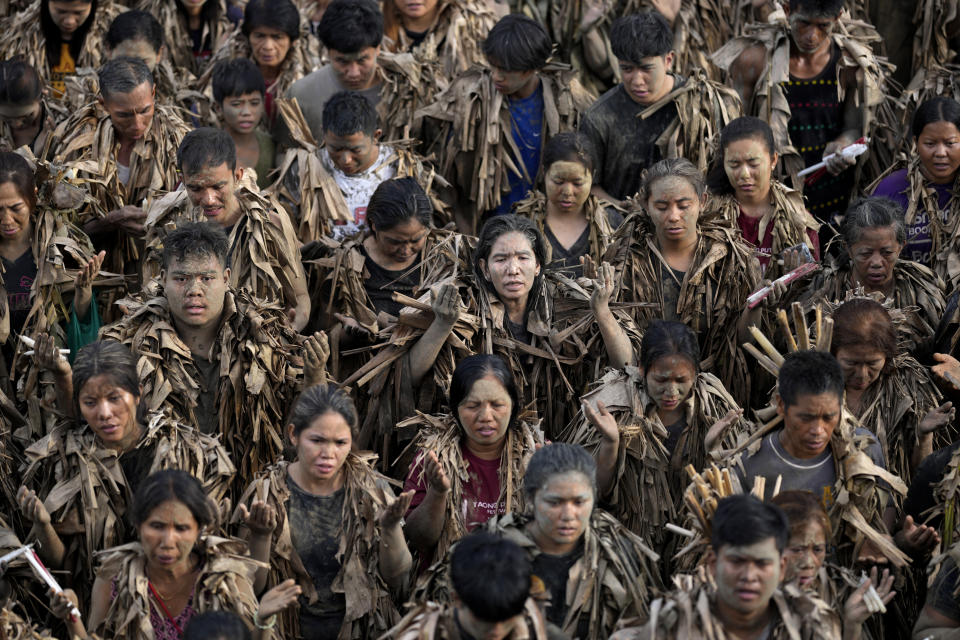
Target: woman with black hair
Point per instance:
(79, 479)
(674, 415)
(150, 589)
(331, 522)
(25, 115)
(575, 223)
(195, 29)
(57, 37)
(469, 462)
(770, 215)
(927, 189)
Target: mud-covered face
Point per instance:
(196, 288)
(874, 256)
(512, 267)
(561, 512)
(15, 215)
(131, 113)
(109, 409)
(485, 412)
(567, 185)
(169, 534)
(810, 33)
(69, 15)
(214, 191)
(647, 81)
(805, 553)
(669, 381)
(355, 71)
(323, 446)
(674, 206)
(809, 423)
(749, 167)
(269, 46)
(862, 365)
(747, 575)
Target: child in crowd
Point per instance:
(238, 92)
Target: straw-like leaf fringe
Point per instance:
(432, 621)
(931, 41)
(534, 206)
(177, 34)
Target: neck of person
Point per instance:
(548, 546)
(491, 451)
(744, 626)
(270, 73)
(516, 308)
(526, 90)
(421, 24)
(678, 251)
(754, 205)
(134, 433)
(13, 249)
(810, 57)
(885, 289)
(243, 138)
(923, 171)
(561, 217)
(670, 416)
(314, 486)
(195, 18)
(175, 575)
(25, 137)
(199, 340)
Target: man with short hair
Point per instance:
(478, 611)
(351, 30)
(25, 117)
(213, 355)
(746, 562)
(654, 114)
(264, 254)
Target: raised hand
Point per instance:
(48, 357)
(260, 518)
(855, 610)
(31, 506)
(948, 369)
(602, 420)
(937, 418)
(603, 288)
(83, 284)
(392, 514)
(437, 480)
(277, 599)
(917, 539)
(316, 353)
(446, 305)
(352, 327)
(715, 433)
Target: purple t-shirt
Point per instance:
(895, 186)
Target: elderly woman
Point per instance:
(593, 570)
(874, 235)
(151, 589)
(80, 479)
(469, 463)
(682, 265)
(925, 188)
(331, 522)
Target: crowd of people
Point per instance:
(479, 319)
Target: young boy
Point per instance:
(238, 92)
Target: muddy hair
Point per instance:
(672, 168)
(112, 359)
(204, 148)
(281, 15)
(172, 485)
(742, 520)
(397, 200)
(556, 459)
(641, 35)
(196, 240)
(235, 78)
(865, 322)
(20, 83)
(939, 109)
(216, 625)
(668, 338)
(809, 373)
(483, 559)
(518, 43)
(122, 75)
(350, 26)
(319, 400)
(347, 113)
(477, 366)
(135, 25)
(742, 128)
(569, 146)
(817, 8)
(15, 169)
(498, 226)
(872, 213)
(802, 508)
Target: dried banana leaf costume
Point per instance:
(534, 206)
(225, 583)
(87, 142)
(444, 435)
(456, 35)
(790, 220)
(713, 293)
(476, 153)
(688, 613)
(22, 37)
(432, 621)
(410, 80)
(49, 119)
(173, 19)
(879, 111)
(258, 375)
(308, 190)
(931, 41)
(88, 494)
(917, 291)
(649, 482)
(13, 627)
(614, 578)
(370, 610)
(264, 253)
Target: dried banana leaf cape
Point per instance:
(264, 254)
(49, 118)
(932, 40)
(476, 151)
(947, 493)
(689, 613)
(713, 294)
(860, 494)
(13, 627)
(432, 621)
(369, 606)
(225, 583)
(410, 80)
(173, 19)
(855, 39)
(649, 483)
(444, 435)
(789, 218)
(917, 291)
(308, 190)
(22, 37)
(615, 578)
(700, 27)
(534, 206)
(457, 35)
(87, 493)
(259, 373)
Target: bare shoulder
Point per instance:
(750, 63)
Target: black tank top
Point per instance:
(816, 118)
